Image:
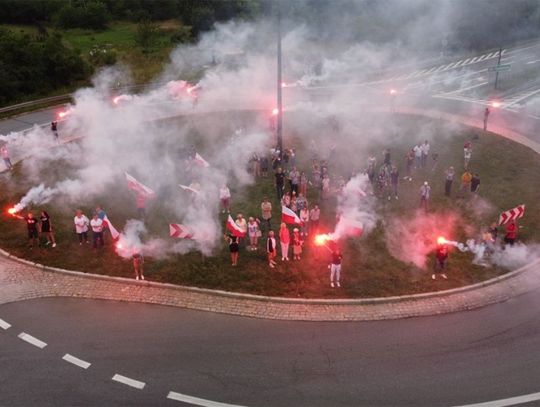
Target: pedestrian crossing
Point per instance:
(445, 67)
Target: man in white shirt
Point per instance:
(425, 153)
(417, 155)
(97, 231)
(225, 198)
(81, 226)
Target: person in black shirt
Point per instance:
(233, 248)
(54, 129)
(46, 228)
(31, 225)
(475, 183)
(280, 183)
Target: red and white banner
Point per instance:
(200, 161)
(187, 188)
(349, 227)
(234, 228)
(289, 217)
(107, 223)
(180, 231)
(139, 188)
(512, 214)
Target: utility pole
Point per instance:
(498, 63)
(279, 124)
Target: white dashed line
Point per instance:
(128, 382)
(31, 340)
(76, 361)
(507, 402)
(475, 59)
(4, 324)
(482, 57)
(197, 401)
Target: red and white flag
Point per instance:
(512, 214)
(180, 231)
(188, 188)
(289, 217)
(200, 161)
(234, 228)
(349, 227)
(107, 223)
(139, 188)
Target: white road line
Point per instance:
(76, 361)
(431, 70)
(197, 401)
(129, 382)
(482, 57)
(31, 340)
(474, 60)
(520, 98)
(463, 89)
(4, 324)
(533, 62)
(467, 61)
(507, 402)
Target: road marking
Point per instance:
(482, 57)
(520, 98)
(507, 402)
(76, 361)
(533, 62)
(463, 89)
(31, 340)
(129, 382)
(4, 324)
(197, 401)
(475, 59)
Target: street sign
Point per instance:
(499, 68)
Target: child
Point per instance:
(297, 244)
(233, 248)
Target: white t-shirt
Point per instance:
(81, 224)
(97, 225)
(425, 148)
(417, 151)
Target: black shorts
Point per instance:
(45, 229)
(509, 240)
(32, 234)
(233, 247)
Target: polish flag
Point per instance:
(107, 223)
(289, 217)
(187, 188)
(201, 161)
(139, 188)
(349, 227)
(234, 228)
(179, 231)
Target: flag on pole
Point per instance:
(107, 223)
(180, 231)
(512, 214)
(138, 187)
(190, 189)
(289, 217)
(234, 228)
(349, 227)
(201, 161)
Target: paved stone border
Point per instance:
(21, 280)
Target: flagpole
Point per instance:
(279, 127)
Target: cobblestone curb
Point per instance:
(22, 280)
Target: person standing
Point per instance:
(425, 190)
(466, 179)
(511, 233)
(486, 116)
(475, 183)
(304, 217)
(294, 180)
(303, 183)
(386, 157)
(335, 268)
(32, 227)
(253, 232)
(441, 257)
(449, 180)
(225, 198)
(264, 166)
(234, 248)
(97, 231)
(5, 156)
(46, 228)
(325, 187)
(284, 240)
(54, 129)
(394, 181)
(81, 226)
(467, 154)
(271, 249)
(301, 202)
(140, 202)
(314, 216)
(425, 153)
(242, 224)
(494, 232)
(266, 209)
(409, 163)
(418, 155)
(279, 183)
(138, 262)
(297, 244)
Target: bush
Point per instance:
(146, 34)
(182, 35)
(93, 15)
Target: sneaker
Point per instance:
(137, 277)
(444, 276)
(283, 259)
(433, 276)
(388, 198)
(397, 198)
(80, 243)
(47, 243)
(332, 285)
(54, 245)
(286, 258)
(142, 277)
(339, 285)
(271, 266)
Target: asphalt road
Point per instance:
(491, 353)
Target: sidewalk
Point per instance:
(22, 280)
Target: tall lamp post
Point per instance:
(279, 124)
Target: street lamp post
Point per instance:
(279, 123)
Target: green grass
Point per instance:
(508, 172)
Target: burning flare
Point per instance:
(441, 240)
(275, 111)
(321, 240)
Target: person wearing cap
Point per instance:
(425, 190)
(253, 232)
(297, 244)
